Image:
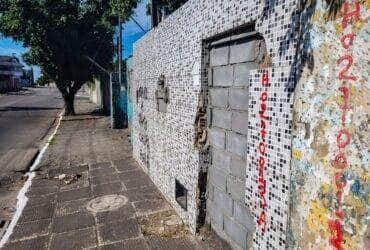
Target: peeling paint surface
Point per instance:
(330, 149)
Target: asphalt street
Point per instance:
(25, 118)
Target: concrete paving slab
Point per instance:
(118, 231)
(75, 194)
(159, 243)
(71, 207)
(37, 213)
(132, 244)
(100, 165)
(123, 213)
(71, 222)
(133, 175)
(78, 239)
(44, 190)
(151, 206)
(139, 183)
(104, 179)
(41, 199)
(124, 165)
(31, 229)
(102, 171)
(38, 243)
(142, 194)
(108, 188)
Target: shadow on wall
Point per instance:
(298, 35)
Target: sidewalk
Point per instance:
(90, 194)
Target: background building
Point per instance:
(13, 76)
(11, 71)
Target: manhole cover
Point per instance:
(106, 203)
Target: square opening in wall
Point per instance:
(181, 195)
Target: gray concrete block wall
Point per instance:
(238, 99)
(242, 52)
(241, 73)
(219, 97)
(227, 213)
(238, 121)
(221, 118)
(217, 137)
(222, 76)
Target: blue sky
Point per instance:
(131, 33)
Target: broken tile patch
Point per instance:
(164, 224)
(55, 172)
(74, 181)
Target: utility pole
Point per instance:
(120, 50)
(119, 105)
(154, 6)
(122, 80)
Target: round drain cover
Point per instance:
(106, 203)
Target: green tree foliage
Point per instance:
(123, 7)
(43, 80)
(166, 7)
(60, 34)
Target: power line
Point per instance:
(138, 24)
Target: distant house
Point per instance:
(27, 79)
(12, 74)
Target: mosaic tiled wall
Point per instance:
(164, 141)
(330, 164)
(268, 161)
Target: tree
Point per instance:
(43, 80)
(166, 7)
(61, 34)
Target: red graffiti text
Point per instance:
(340, 162)
(261, 221)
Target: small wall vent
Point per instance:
(161, 95)
(181, 195)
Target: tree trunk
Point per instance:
(69, 99)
